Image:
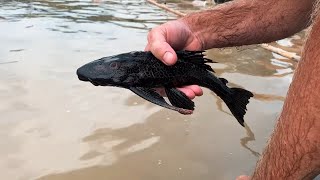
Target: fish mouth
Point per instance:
(82, 78)
(94, 82)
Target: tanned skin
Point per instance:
(235, 23)
(293, 152)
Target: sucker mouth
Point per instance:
(82, 78)
(93, 82)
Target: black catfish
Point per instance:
(141, 72)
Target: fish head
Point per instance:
(102, 72)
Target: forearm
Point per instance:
(244, 22)
(293, 151)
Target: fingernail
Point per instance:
(168, 58)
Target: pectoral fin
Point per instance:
(179, 99)
(152, 96)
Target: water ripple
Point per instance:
(130, 14)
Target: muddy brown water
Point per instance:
(52, 126)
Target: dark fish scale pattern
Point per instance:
(141, 72)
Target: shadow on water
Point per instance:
(161, 148)
(245, 140)
(143, 148)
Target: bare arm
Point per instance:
(244, 22)
(293, 151)
(239, 22)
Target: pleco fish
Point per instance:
(141, 72)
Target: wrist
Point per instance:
(194, 40)
(217, 27)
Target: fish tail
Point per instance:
(237, 102)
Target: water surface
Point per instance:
(52, 126)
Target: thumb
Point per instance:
(164, 52)
(159, 46)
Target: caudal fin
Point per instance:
(238, 102)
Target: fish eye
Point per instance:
(114, 65)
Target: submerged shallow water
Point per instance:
(52, 126)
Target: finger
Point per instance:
(159, 47)
(164, 52)
(167, 59)
(147, 48)
(188, 92)
(243, 177)
(196, 89)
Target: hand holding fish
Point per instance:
(163, 39)
(141, 72)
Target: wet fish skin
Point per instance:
(140, 72)
(139, 69)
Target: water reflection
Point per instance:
(8, 62)
(260, 62)
(127, 14)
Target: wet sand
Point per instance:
(52, 126)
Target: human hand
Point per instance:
(163, 39)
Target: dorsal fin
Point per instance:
(224, 81)
(195, 57)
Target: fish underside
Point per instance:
(141, 72)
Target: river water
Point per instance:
(52, 126)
